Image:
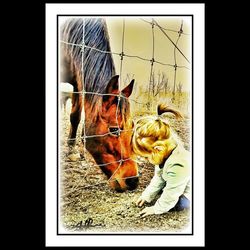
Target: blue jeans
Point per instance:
(182, 203)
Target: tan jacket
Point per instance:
(173, 178)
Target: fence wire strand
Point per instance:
(176, 31)
(151, 86)
(175, 60)
(83, 100)
(82, 46)
(171, 40)
(118, 104)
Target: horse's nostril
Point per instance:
(116, 186)
(132, 183)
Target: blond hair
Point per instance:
(152, 136)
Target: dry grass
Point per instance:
(89, 205)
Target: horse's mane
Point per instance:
(98, 67)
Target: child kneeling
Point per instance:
(153, 139)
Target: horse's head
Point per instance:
(111, 148)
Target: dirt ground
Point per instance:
(87, 203)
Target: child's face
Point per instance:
(156, 156)
(148, 157)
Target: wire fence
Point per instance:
(122, 54)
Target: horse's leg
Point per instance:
(63, 105)
(75, 118)
(75, 115)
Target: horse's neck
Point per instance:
(90, 115)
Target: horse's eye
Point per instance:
(114, 131)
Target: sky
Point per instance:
(138, 40)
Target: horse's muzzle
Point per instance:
(129, 184)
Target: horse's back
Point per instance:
(93, 67)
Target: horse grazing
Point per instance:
(108, 126)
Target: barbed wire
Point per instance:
(83, 106)
(122, 54)
(113, 162)
(102, 94)
(170, 40)
(118, 103)
(101, 135)
(82, 46)
(175, 60)
(152, 61)
(176, 31)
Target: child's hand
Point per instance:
(140, 202)
(147, 211)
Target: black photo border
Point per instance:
(57, 135)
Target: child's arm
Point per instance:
(177, 179)
(156, 184)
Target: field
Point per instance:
(87, 203)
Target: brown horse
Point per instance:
(108, 127)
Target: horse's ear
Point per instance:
(112, 85)
(128, 90)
